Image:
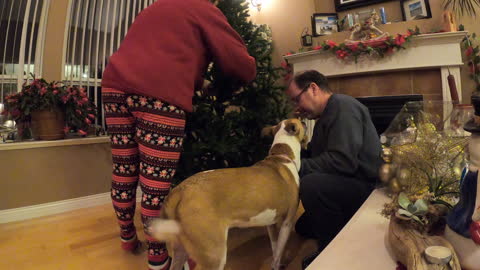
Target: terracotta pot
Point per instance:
(48, 125)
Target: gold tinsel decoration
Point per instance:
(424, 158)
(433, 163)
(424, 162)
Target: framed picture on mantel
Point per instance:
(341, 5)
(415, 9)
(324, 24)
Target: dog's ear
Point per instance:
(292, 128)
(268, 131)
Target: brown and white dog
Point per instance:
(198, 213)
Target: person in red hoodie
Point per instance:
(147, 87)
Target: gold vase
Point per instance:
(48, 124)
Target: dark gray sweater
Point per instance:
(344, 141)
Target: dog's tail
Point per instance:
(166, 228)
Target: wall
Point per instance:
(42, 175)
(287, 20)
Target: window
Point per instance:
(94, 31)
(22, 24)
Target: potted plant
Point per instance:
(52, 109)
(472, 57)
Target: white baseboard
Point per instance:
(46, 209)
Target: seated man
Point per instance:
(340, 167)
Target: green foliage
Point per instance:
(462, 7)
(224, 129)
(412, 210)
(471, 52)
(373, 48)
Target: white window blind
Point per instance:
(93, 33)
(22, 24)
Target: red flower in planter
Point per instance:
(316, 48)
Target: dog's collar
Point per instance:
(288, 159)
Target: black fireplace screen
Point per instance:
(383, 109)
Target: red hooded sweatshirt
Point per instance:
(168, 48)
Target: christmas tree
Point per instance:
(224, 128)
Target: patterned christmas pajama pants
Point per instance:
(146, 138)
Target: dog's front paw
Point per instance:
(276, 265)
(280, 267)
(140, 248)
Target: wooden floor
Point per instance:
(87, 239)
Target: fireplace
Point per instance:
(383, 109)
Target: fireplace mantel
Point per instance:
(438, 50)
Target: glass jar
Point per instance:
(461, 113)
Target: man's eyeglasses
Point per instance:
(297, 98)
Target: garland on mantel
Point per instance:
(353, 50)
